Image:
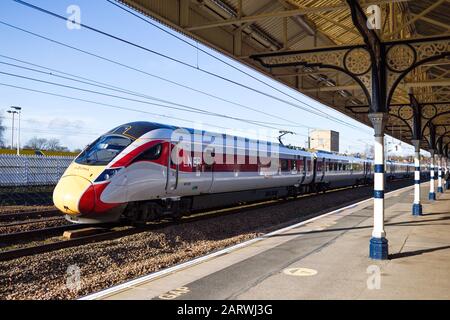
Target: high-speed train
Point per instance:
(144, 171)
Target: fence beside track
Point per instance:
(17, 171)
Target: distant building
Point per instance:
(327, 140)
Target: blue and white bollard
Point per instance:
(432, 194)
(378, 248)
(440, 189)
(417, 206)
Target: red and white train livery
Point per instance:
(141, 171)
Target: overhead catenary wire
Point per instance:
(121, 107)
(317, 112)
(103, 85)
(134, 69)
(196, 47)
(188, 109)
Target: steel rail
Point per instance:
(114, 234)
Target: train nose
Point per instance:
(74, 195)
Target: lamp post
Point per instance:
(12, 129)
(18, 110)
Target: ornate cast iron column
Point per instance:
(432, 194)
(416, 139)
(378, 68)
(440, 156)
(378, 248)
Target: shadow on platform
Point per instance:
(415, 253)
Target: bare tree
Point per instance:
(53, 145)
(36, 143)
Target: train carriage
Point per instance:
(334, 171)
(144, 171)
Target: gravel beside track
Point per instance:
(14, 209)
(28, 225)
(107, 263)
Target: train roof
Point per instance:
(328, 155)
(136, 129)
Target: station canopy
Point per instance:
(327, 50)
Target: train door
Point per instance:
(320, 169)
(201, 176)
(188, 174)
(302, 168)
(366, 171)
(173, 170)
(309, 169)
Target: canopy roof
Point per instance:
(314, 47)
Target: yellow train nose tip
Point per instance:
(68, 193)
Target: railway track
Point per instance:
(30, 235)
(18, 216)
(21, 223)
(119, 231)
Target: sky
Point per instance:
(77, 123)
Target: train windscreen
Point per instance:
(103, 150)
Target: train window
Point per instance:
(103, 150)
(301, 164)
(319, 165)
(151, 154)
(330, 166)
(284, 164)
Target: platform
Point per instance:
(326, 258)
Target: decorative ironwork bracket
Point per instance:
(377, 67)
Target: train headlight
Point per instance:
(107, 174)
